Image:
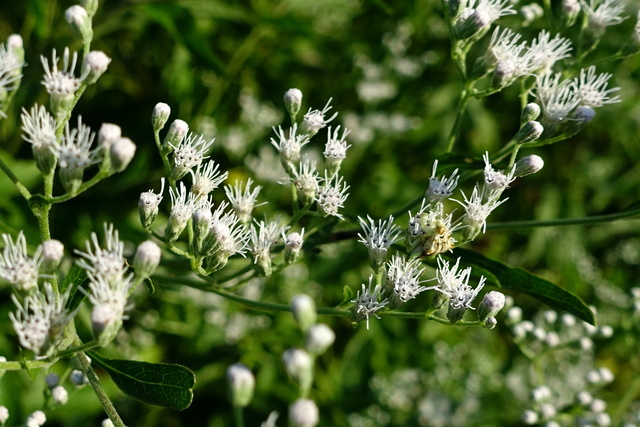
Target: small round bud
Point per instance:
(292, 246)
(241, 385)
(146, 259)
(176, 133)
(52, 253)
(4, 414)
(531, 111)
(569, 12)
(121, 153)
(293, 101)
(528, 165)
(299, 367)
(108, 134)
(490, 323)
(148, 206)
(530, 417)
(37, 418)
(491, 304)
(91, 6)
(474, 24)
(97, 63)
(503, 74)
(529, 132)
(304, 311)
(51, 380)
(303, 413)
(160, 115)
(541, 393)
(60, 395)
(319, 338)
(78, 378)
(584, 398)
(106, 321)
(15, 45)
(80, 21)
(107, 423)
(201, 225)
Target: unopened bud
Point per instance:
(97, 63)
(303, 413)
(108, 134)
(60, 395)
(52, 380)
(71, 178)
(299, 367)
(304, 311)
(439, 300)
(4, 414)
(80, 21)
(528, 165)
(146, 259)
(148, 206)
(106, 321)
(52, 253)
(503, 74)
(37, 418)
(476, 23)
(78, 378)
(15, 45)
(529, 132)
(490, 323)
(201, 225)
(160, 115)
(292, 246)
(319, 338)
(241, 384)
(292, 102)
(531, 111)
(176, 133)
(91, 6)
(263, 264)
(491, 304)
(121, 153)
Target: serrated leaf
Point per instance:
(74, 281)
(519, 280)
(162, 384)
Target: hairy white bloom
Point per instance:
(62, 82)
(40, 319)
(243, 200)
(558, 99)
(441, 188)
(454, 283)
(189, 153)
(289, 146)
(602, 14)
(182, 207)
(75, 155)
(478, 207)
(367, 302)
(378, 238)
(336, 148)
(545, 51)
(315, 120)
(109, 301)
(108, 263)
(496, 180)
(591, 88)
(403, 279)
(36, 419)
(292, 245)
(430, 231)
(16, 267)
(305, 179)
(332, 194)
(10, 69)
(60, 395)
(227, 235)
(148, 205)
(207, 178)
(263, 236)
(39, 128)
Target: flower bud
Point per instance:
(91, 6)
(121, 153)
(36, 419)
(529, 132)
(148, 206)
(97, 63)
(299, 367)
(80, 21)
(60, 395)
(292, 246)
(304, 311)
(160, 115)
(78, 378)
(439, 300)
(476, 23)
(201, 225)
(490, 323)
(51, 380)
(106, 321)
(569, 12)
(15, 45)
(319, 338)
(292, 102)
(52, 253)
(108, 134)
(146, 259)
(176, 133)
(263, 264)
(531, 111)
(528, 165)
(241, 385)
(4, 414)
(491, 304)
(107, 423)
(303, 413)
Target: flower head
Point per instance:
(108, 263)
(378, 238)
(477, 209)
(602, 14)
(403, 279)
(207, 178)
(10, 70)
(62, 83)
(496, 180)
(314, 120)
(263, 236)
(189, 153)
(332, 194)
(454, 284)
(557, 98)
(442, 188)
(545, 51)
(16, 267)
(367, 302)
(305, 179)
(75, 155)
(109, 301)
(226, 237)
(591, 88)
(243, 200)
(148, 205)
(182, 208)
(289, 146)
(336, 149)
(430, 230)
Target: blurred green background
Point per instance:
(223, 67)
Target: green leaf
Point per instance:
(519, 280)
(347, 296)
(150, 285)
(162, 384)
(74, 281)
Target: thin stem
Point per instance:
(514, 154)
(238, 415)
(108, 407)
(462, 107)
(590, 220)
(102, 174)
(21, 188)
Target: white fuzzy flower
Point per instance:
(189, 153)
(441, 188)
(332, 194)
(367, 302)
(479, 206)
(62, 82)
(16, 267)
(403, 279)
(591, 88)
(378, 238)
(315, 120)
(207, 178)
(106, 263)
(602, 14)
(496, 180)
(243, 200)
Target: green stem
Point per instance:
(462, 107)
(21, 188)
(514, 154)
(590, 220)
(108, 407)
(238, 415)
(102, 174)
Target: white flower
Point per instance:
(503, 42)
(182, 207)
(39, 129)
(207, 178)
(40, 319)
(558, 99)
(263, 236)
(148, 204)
(227, 233)
(336, 148)
(454, 284)
(305, 179)
(442, 188)
(109, 301)
(304, 413)
(544, 51)
(289, 147)
(189, 153)
(479, 206)
(314, 120)
(430, 231)
(602, 14)
(10, 69)
(16, 267)
(63, 82)
(332, 194)
(403, 278)
(106, 263)
(367, 302)
(378, 238)
(592, 90)
(36, 419)
(496, 180)
(243, 200)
